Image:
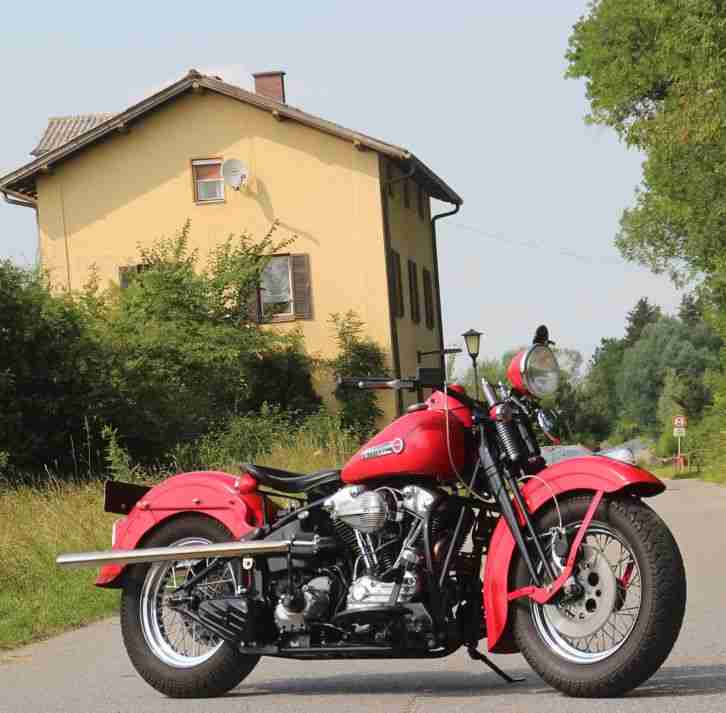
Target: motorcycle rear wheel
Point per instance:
(622, 628)
(176, 657)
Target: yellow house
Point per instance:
(359, 207)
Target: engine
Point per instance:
(367, 586)
(386, 525)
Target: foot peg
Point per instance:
(478, 656)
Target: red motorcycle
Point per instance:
(383, 559)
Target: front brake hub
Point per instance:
(585, 614)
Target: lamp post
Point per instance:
(472, 338)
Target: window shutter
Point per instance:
(428, 298)
(413, 292)
(301, 289)
(253, 306)
(396, 284)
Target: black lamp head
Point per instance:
(472, 339)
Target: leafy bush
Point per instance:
(163, 362)
(358, 355)
(53, 383)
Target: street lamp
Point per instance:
(472, 338)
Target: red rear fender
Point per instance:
(590, 473)
(228, 498)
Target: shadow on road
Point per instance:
(682, 681)
(670, 682)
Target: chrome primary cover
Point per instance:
(363, 510)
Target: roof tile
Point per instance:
(62, 129)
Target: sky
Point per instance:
(474, 89)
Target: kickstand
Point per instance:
(478, 656)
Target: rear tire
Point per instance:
(646, 641)
(220, 668)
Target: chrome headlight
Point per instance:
(540, 371)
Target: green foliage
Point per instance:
(162, 362)
(656, 73)
(117, 457)
(666, 345)
(638, 319)
(51, 386)
(358, 355)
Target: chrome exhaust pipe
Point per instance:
(169, 554)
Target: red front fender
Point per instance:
(590, 473)
(228, 498)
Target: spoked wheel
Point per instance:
(172, 653)
(623, 622)
(596, 624)
(173, 638)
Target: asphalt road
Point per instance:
(87, 670)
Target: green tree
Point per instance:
(656, 73)
(643, 314)
(53, 379)
(666, 345)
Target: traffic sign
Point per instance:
(679, 432)
(680, 422)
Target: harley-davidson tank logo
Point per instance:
(393, 447)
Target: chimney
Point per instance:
(271, 85)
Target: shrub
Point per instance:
(358, 355)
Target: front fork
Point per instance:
(501, 484)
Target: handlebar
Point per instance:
(374, 383)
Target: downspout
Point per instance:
(446, 214)
(387, 243)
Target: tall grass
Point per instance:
(36, 524)
(40, 521)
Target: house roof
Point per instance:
(61, 129)
(21, 183)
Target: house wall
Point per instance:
(410, 236)
(132, 188)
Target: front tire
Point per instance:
(175, 656)
(621, 629)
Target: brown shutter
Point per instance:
(301, 291)
(428, 298)
(254, 311)
(413, 292)
(396, 284)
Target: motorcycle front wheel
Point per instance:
(173, 654)
(624, 621)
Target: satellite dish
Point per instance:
(234, 173)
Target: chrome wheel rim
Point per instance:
(599, 622)
(172, 637)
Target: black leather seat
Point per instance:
(287, 482)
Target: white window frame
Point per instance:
(281, 316)
(196, 181)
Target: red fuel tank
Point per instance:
(415, 444)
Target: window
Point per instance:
(276, 288)
(421, 203)
(208, 181)
(126, 274)
(396, 284)
(428, 287)
(284, 291)
(413, 290)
